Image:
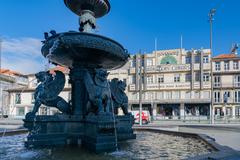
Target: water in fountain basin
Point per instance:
(148, 145)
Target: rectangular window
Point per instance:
(168, 95)
(188, 95)
(141, 62)
(132, 79)
(133, 63)
(197, 59)
(188, 77)
(205, 77)
(217, 66)
(205, 59)
(237, 81)
(237, 111)
(235, 65)
(196, 94)
(228, 111)
(176, 94)
(237, 96)
(33, 98)
(18, 98)
(20, 111)
(226, 96)
(197, 76)
(217, 96)
(149, 80)
(125, 80)
(226, 65)
(69, 96)
(161, 79)
(217, 81)
(149, 62)
(177, 78)
(160, 95)
(188, 59)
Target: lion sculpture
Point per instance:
(98, 91)
(119, 97)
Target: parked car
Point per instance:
(145, 116)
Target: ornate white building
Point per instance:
(176, 83)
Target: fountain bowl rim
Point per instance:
(97, 16)
(87, 34)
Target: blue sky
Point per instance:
(133, 23)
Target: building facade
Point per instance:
(9, 80)
(226, 85)
(176, 83)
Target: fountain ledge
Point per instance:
(221, 152)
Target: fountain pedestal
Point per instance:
(54, 130)
(99, 134)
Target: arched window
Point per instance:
(169, 60)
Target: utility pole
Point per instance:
(140, 89)
(211, 19)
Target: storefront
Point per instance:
(197, 110)
(168, 111)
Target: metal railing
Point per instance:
(197, 119)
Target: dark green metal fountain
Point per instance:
(90, 119)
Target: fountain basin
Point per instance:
(148, 145)
(89, 50)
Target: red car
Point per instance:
(145, 117)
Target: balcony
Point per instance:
(206, 85)
(132, 70)
(164, 86)
(220, 101)
(206, 66)
(227, 85)
(169, 101)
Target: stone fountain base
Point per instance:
(95, 133)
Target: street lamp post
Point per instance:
(1, 87)
(140, 90)
(211, 18)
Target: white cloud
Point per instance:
(22, 54)
(26, 46)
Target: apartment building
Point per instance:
(8, 80)
(226, 85)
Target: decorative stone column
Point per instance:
(79, 93)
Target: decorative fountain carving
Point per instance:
(119, 97)
(47, 93)
(88, 56)
(98, 92)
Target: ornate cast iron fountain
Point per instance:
(88, 119)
